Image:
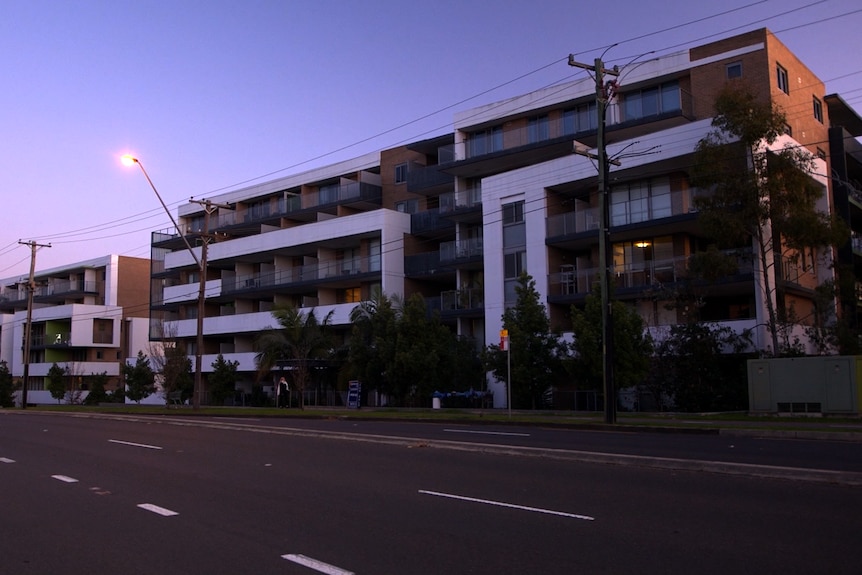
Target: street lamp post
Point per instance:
(129, 160)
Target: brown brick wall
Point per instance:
(133, 286)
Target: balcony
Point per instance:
(456, 205)
(60, 290)
(498, 149)
(430, 224)
(462, 300)
(336, 270)
(427, 180)
(426, 265)
(586, 219)
(639, 276)
(461, 250)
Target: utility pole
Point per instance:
(603, 95)
(31, 287)
(209, 207)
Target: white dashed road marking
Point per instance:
(509, 505)
(64, 478)
(158, 510)
(487, 432)
(134, 444)
(318, 566)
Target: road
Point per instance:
(191, 495)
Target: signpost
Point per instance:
(353, 390)
(504, 346)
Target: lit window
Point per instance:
(783, 81)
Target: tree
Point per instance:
(700, 367)
(6, 386)
(97, 393)
(373, 339)
(139, 378)
(222, 380)
(176, 370)
(536, 352)
(56, 382)
(632, 346)
(301, 339)
(760, 195)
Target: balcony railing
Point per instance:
(641, 275)
(65, 287)
(420, 177)
(463, 299)
(584, 218)
(508, 139)
(462, 200)
(429, 221)
(461, 249)
(313, 272)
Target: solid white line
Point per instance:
(134, 444)
(64, 478)
(318, 566)
(510, 505)
(486, 432)
(156, 509)
(6, 460)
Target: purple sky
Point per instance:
(210, 94)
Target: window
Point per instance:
(328, 194)
(485, 141)
(401, 173)
(651, 101)
(407, 206)
(783, 81)
(734, 70)
(818, 110)
(513, 213)
(788, 130)
(350, 295)
(538, 129)
(582, 118)
(821, 153)
(640, 201)
(514, 264)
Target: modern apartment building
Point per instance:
(458, 218)
(89, 318)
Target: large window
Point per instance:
(582, 118)
(783, 81)
(485, 141)
(640, 201)
(514, 227)
(651, 101)
(328, 194)
(538, 129)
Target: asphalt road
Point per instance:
(163, 495)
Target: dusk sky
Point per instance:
(216, 95)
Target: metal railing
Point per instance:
(461, 249)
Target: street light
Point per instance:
(129, 160)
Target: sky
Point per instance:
(216, 95)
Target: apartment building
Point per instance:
(459, 217)
(89, 318)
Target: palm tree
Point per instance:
(301, 339)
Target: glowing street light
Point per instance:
(129, 160)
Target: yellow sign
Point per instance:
(504, 333)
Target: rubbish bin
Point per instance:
(435, 403)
